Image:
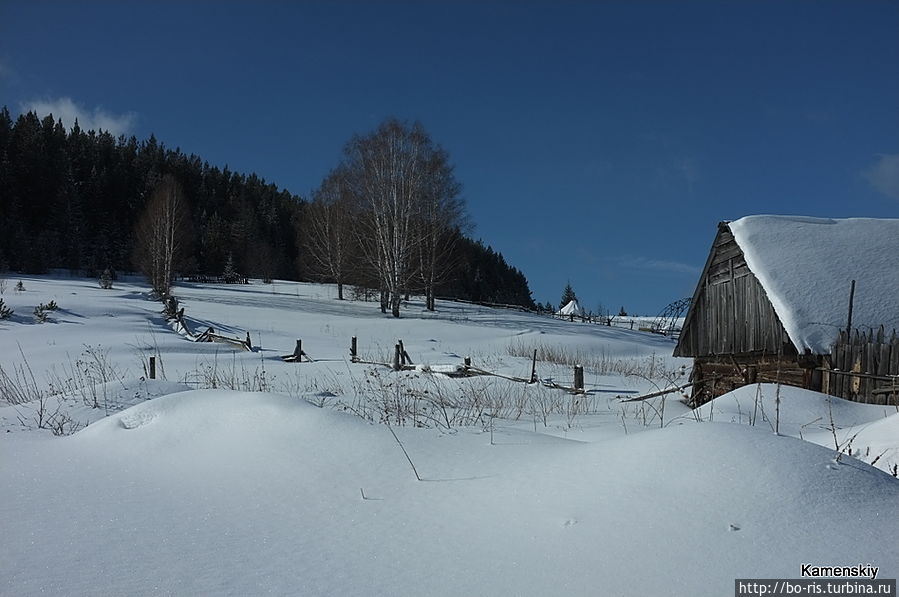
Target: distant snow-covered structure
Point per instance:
(572, 309)
(774, 297)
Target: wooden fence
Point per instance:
(864, 367)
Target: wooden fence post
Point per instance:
(152, 367)
(298, 351)
(396, 357)
(249, 342)
(534, 368)
(353, 356)
(851, 297)
(578, 378)
(404, 356)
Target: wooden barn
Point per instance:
(773, 305)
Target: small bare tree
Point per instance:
(327, 233)
(440, 220)
(162, 234)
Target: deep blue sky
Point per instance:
(597, 142)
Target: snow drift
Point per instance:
(212, 492)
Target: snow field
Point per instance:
(221, 492)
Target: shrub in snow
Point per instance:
(106, 279)
(20, 287)
(42, 310)
(5, 312)
(40, 314)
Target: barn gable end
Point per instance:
(730, 313)
(732, 330)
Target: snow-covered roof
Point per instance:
(572, 308)
(806, 266)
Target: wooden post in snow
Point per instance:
(298, 354)
(534, 368)
(851, 298)
(353, 355)
(578, 378)
(404, 356)
(152, 367)
(396, 357)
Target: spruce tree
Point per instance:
(567, 296)
(230, 275)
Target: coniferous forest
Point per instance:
(72, 199)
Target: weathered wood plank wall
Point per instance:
(731, 313)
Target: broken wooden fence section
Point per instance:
(403, 362)
(210, 336)
(176, 314)
(297, 355)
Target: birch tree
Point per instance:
(161, 234)
(386, 173)
(327, 232)
(405, 206)
(441, 219)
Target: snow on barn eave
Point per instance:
(806, 266)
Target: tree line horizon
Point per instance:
(388, 218)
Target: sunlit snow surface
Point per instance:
(218, 492)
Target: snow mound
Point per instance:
(876, 442)
(825, 420)
(806, 266)
(230, 413)
(248, 493)
(800, 410)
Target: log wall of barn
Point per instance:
(714, 376)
